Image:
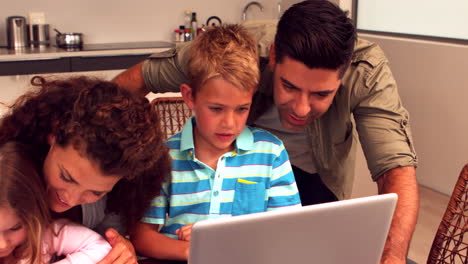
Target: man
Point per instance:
(318, 88)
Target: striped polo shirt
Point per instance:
(255, 177)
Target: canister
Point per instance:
(17, 32)
(40, 35)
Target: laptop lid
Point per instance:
(349, 231)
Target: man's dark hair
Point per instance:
(317, 33)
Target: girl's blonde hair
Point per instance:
(22, 190)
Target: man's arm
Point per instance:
(162, 72)
(132, 80)
(401, 181)
(385, 135)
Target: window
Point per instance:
(430, 18)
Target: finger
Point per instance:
(125, 259)
(180, 232)
(120, 254)
(186, 234)
(111, 257)
(112, 236)
(122, 250)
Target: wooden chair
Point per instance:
(450, 244)
(173, 113)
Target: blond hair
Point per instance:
(22, 190)
(226, 51)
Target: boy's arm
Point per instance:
(283, 189)
(149, 242)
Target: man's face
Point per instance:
(302, 94)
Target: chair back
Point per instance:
(450, 244)
(173, 113)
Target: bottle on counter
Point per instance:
(188, 19)
(194, 25)
(181, 33)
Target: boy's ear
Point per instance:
(186, 92)
(272, 57)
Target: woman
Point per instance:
(100, 150)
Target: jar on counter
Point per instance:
(188, 19)
(188, 35)
(176, 35)
(181, 33)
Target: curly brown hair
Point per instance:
(107, 124)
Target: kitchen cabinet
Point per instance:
(70, 64)
(97, 63)
(93, 57)
(35, 66)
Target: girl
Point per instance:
(26, 233)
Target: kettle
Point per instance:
(17, 32)
(213, 23)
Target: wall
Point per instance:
(433, 86)
(107, 21)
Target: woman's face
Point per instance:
(12, 232)
(73, 179)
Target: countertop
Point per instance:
(90, 50)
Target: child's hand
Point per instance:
(185, 232)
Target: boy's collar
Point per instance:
(243, 142)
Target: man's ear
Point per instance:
(272, 57)
(186, 92)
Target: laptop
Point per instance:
(349, 231)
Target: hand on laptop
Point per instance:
(185, 232)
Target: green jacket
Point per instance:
(367, 104)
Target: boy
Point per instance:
(221, 168)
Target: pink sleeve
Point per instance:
(78, 244)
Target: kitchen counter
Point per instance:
(89, 50)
